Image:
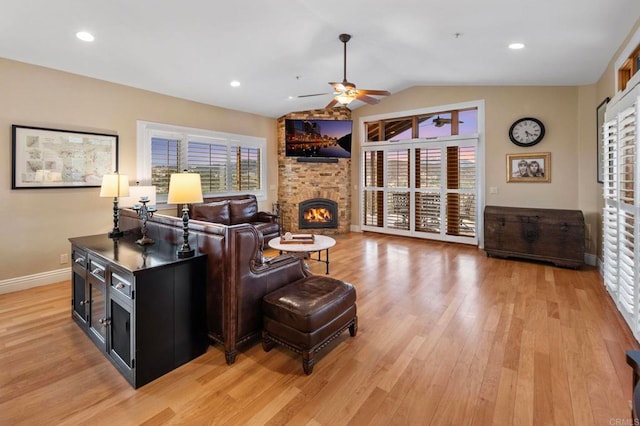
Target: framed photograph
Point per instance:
(599, 122)
(52, 158)
(534, 167)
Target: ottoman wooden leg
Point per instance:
(230, 356)
(307, 362)
(353, 328)
(267, 343)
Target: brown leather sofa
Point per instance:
(235, 210)
(237, 276)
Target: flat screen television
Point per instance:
(318, 138)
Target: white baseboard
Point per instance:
(590, 259)
(35, 280)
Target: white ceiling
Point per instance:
(192, 49)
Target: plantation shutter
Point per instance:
(248, 168)
(428, 187)
(165, 160)
(622, 207)
(373, 196)
(398, 172)
(210, 161)
(610, 212)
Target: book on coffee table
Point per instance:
(290, 238)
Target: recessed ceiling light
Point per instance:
(235, 83)
(516, 46)
(85, 36)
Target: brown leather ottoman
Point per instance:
(307, 314)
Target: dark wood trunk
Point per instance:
(550, 235)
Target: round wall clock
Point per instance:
(526, 131)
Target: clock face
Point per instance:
(526, 131)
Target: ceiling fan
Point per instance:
(345, 92)
(439, 122)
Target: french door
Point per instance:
(419, 188)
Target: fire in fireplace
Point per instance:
(317, 213)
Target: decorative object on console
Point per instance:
(145, 213)
(136, 192)
(142, 199)
(115, 185)
(185, 188)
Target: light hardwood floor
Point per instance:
(446, 336)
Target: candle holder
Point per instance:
(144, 212)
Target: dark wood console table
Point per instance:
(141, 305)
(549, 235)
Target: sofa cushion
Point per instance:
(217, 212)
(243, 211)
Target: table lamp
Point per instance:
(115, 185)
(184, 188)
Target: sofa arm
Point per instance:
(280, 270)
(267, 217)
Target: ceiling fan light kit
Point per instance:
(345, 92)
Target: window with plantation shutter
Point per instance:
(420, 174)
(226, 163)
(428, 189)
(620, 155)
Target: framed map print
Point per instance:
(51, 158)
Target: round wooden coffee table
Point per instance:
(321, 243)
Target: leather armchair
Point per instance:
(237, 275)
(235, 210)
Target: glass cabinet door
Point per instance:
(98, 321)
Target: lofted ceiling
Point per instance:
(279, 49)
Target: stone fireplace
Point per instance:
(317, 213)
(300, 182)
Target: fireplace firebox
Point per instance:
(317, 213)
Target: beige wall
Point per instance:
(37, 223)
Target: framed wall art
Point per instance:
(599, 123)
(52, 158)
(534, 167)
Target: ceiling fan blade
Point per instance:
(315, 94)
(367, 99)
(332, 103)
(374, 92)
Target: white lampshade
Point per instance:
(136, 192)
(345, 99)
(114, 185)
(184, 188)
